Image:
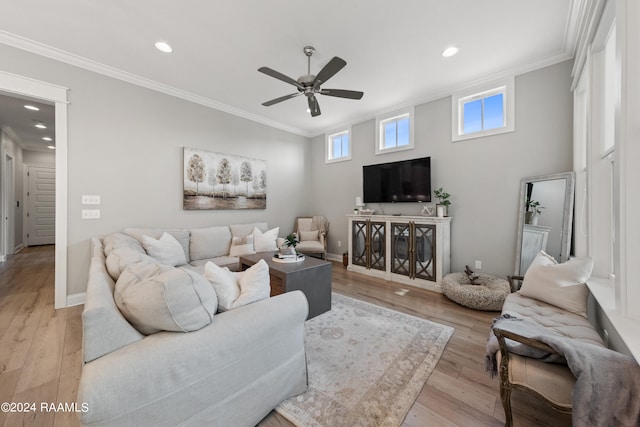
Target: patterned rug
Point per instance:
(367, 364)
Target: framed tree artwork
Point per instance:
(223, 181)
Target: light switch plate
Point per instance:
(90, 213)
(90, 200)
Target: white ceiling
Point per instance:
(21, 122)
(393, 49)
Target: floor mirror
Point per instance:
(545, 217)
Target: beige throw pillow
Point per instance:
(309, 235)
(562, 285)
(154, 297)
(237, 289)
(167, 250)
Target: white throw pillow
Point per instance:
(154, 297)
(242, 246)
(309, 235)
(224, 282)
(119, 258)
(237, 289)
(562, 285)
(267, 241)
(167, 250)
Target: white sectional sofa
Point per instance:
(232, 372)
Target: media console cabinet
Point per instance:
(414, 250)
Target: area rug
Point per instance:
(367, 364)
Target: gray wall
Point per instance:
(125, 144)
(483, 175)
(11, 147)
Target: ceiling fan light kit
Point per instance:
(309, 84)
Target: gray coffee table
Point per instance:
(311, 276)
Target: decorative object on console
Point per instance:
(427, 210)
(442, 207)
(222, 181)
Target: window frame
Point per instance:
(328, 146)
(391, 116)
(505, 86)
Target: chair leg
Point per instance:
(505, 396)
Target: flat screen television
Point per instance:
(404, 181)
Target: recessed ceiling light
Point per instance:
(450, 51)
(47, 138)
(51, 147)
(31, 107)
(164, 47)
(40, 126)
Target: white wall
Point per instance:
(11, 147)
(483, 175)
(125, 144)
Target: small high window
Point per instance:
(394, 132)
(482, 111)
(338, 146)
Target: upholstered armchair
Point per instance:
(312, 235)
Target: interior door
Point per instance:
(41, 205)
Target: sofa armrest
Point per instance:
(258, 345)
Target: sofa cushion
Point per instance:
(119, 240)
(181, 236)
(155, 298)
(235, 289)
(167, 250)
(562, 285)
(267, 241)
(209, 242)
(242, 246)
(120, 258)
(242, 230)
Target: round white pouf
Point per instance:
(489, 295)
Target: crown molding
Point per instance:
(47, 51)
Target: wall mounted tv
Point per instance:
(404, 181)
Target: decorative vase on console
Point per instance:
(442, 207)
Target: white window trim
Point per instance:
(328, 148)
(380, 120)
(506, 86)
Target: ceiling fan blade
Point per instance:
(336, 64)
(314, 108)
(277, 75)
(341, 93)
(282, 98)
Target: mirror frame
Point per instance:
(567, 221)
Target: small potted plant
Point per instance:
(290, 242)
(533, 210)
(444, 202)
(345, 259)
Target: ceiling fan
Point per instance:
(309, 85)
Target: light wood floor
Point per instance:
(41, 351)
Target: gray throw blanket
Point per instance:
(607, 388)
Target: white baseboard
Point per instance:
(18, 248)
(334, 257)
(76, 299)
(3, 258)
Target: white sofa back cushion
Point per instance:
(166, 250)
(267, 241)
(243, 230)
(155, 298)
(181, 236)
(209, 242)
(119, 258)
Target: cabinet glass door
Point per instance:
(424, 252)
(401, 249)
(377, 243)
(359, 247)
